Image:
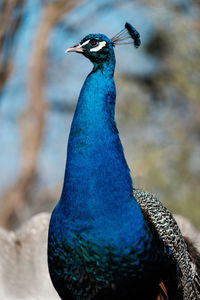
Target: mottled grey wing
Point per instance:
(168, 230)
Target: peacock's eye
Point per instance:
(94, 43)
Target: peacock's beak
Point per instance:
(75, 48)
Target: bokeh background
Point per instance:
(158, 98)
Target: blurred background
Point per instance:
(158, 98)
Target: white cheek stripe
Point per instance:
(99, 47)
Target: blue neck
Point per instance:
(97, 191)
(96, 169)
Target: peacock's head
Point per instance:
(97, 47)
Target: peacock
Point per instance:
(106, 239)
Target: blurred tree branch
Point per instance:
(33, 119)
(9, 23)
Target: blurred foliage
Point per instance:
(168, 165)
(158, 109)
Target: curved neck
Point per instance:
(96, 169)
(97, 192)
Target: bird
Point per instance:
(108, 240)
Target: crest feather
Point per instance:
(128, 35)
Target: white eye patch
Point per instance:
(99, 47)
(85, 43)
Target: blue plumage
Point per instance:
(100, 246)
